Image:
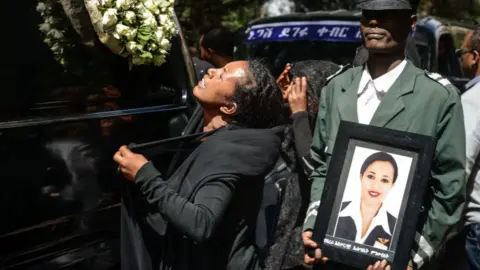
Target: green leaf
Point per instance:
(146, 55)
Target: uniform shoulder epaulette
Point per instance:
(338, 72)
(441, 80)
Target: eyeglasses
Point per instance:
(460, 52)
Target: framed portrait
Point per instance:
(373, 195)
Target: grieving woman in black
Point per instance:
(300, 83)
(203, 216)
(367, 221)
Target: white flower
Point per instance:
(150, 21)
(41, 7)
(130, 34)
(57, 49)
(55, 34)
(145, 13)
(124, 4)
(165, 44)
(132, 47)
(158, 60)
(48, 41)
(110, 17)
(137, 60)
(158, 35)
(45, 27)
(152, 47)
(130, 17)
(106, 3)
(163, 19)
(50, 20)
(152, 6)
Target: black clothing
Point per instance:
(204, 216)
(287, 251)
(346, 229)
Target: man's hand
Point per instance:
(129, 162)
(308, 243)
(297, 95)
(284, 79)
(383, 265)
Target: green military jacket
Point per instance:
(417, 102)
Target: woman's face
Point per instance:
(377, 181)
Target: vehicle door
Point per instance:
(59, 201)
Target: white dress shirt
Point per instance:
(370, 92)
(381, 219)
(471, 112)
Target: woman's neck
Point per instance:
(213, 121)
(368, 212)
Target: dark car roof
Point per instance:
(340, 14)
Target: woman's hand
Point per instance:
(383, 265)
(297, 95)
(129, 162)
(308, 243)
(284, 79)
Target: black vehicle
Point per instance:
(335, 36)
(323, 35)
(436, 43)
(59, 201)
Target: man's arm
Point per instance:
(447, 182)
(315, 163)
(196, 220)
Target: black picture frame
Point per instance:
(350, 135)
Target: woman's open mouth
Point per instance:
(374, 193)
(201, 83)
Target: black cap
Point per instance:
(384, 4)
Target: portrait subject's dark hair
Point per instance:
(380, 156)
(474, 43)
(219, 39)
(258, 98)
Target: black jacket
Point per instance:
(204, 216)
(346, 230)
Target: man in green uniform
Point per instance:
(389, 91)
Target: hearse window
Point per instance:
(38, 86)
(448, 63)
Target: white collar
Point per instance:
(384, 82)
(353, 210)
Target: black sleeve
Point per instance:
(195, 220)
(302, 133)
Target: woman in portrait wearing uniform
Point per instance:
(367, 221)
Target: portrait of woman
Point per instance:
(366, 220)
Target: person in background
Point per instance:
(203, 216)
(390, 92)
(300, 84)
(216, 46)
(470, 58)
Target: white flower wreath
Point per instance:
(53, 28)
(139, 29)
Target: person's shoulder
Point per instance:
(344, 73)
(435, 81)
